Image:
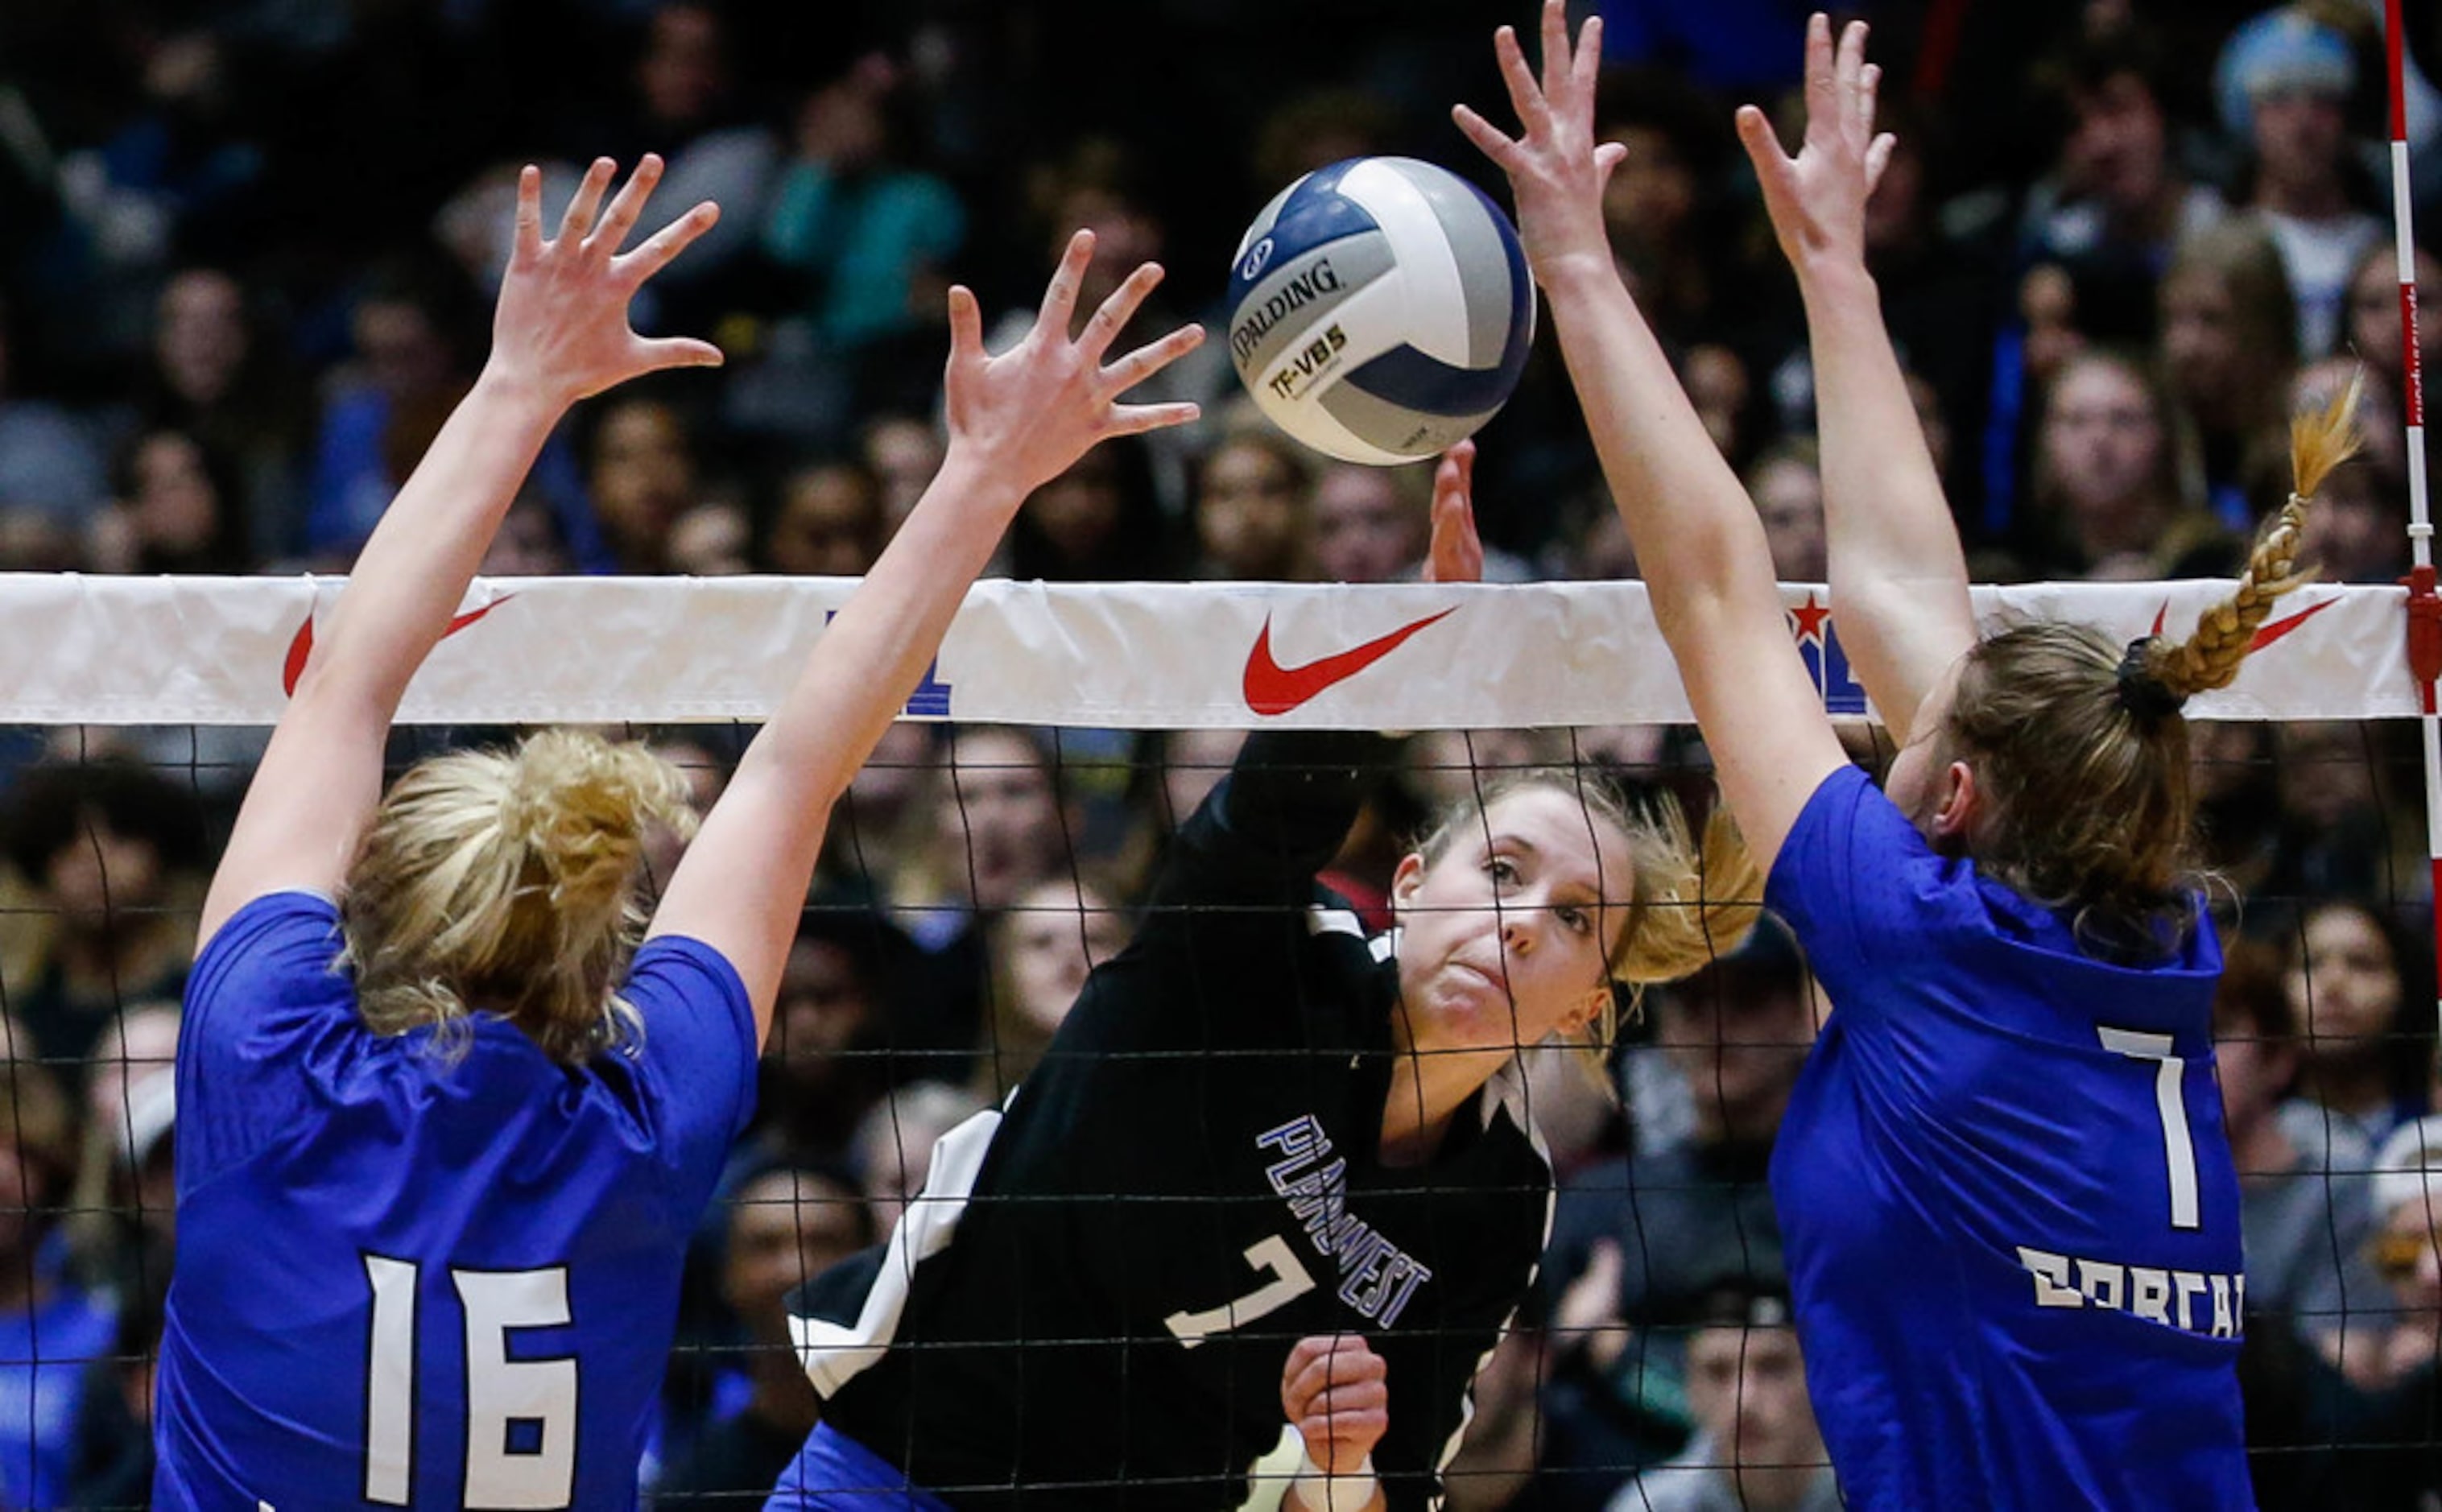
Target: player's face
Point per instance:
(1506, 934)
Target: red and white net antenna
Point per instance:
(2424, 606)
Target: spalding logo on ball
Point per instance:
(1381, 309)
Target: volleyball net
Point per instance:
(997, 845)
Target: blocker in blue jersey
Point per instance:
(2006, 1196)
(445, 1130)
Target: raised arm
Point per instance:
(1899, 581)
(1016, 421)
(559, 334)
(1703, 549)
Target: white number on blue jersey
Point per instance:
(2179, 1152)
(1286, 1280)
(520, 1413)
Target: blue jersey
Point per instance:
(2010, 1208)
(406, 1278)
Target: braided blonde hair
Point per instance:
(509, 881)
(2080, 749)
(1692, 903)
(2320, 441)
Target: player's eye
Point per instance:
(1576, 920)
(1500, 870)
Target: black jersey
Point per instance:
(1091, 1304)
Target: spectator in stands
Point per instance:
(1658, 206)
(2228, 345)
(1254, 506)
(1100, 521)
(51, 1328)
(2117, 196)
(2307, 1210)
(122, 1212)
(690, 97)
(824, 1065)
(2283, 84)
(785, 1224)
(641, 472)
(2342, 979)
(1637, 1241)
(1098, 181)
(826, 521)
(1001, 825)
(903, 449)
(893, 1151)
(1786, 482)
(1041, 947)
(864, 234)
(2337, 838)
(1372, 524)
(1756, 1445)
(110, 1462)
(50, 461)
(216, 370)
(175, 507)
(2108, 500)
(113, 852)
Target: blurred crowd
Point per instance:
(246, 249)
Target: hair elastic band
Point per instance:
(2140, 692)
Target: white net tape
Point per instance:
(216, 650)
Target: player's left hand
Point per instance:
(560, 328)
(1556, 168)
(1335, 1393)
(1456, 554)
(1817, 199)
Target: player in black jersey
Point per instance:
(1259, 1130)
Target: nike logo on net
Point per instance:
(300, 645)
(1272, 688)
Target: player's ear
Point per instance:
(1587, 1012)
(1962, 806)
(1407, 877)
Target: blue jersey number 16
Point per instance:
(2178, 1151)
(520, 1413)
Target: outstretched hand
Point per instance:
(1557, 170)
(1456, 554)
(1817, 199)
(1029, 412)
(1334, 1390)
(561, 325)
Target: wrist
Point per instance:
(1318, 1490)
(519, 396)
(1836, 279)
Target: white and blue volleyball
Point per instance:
(1381, 309)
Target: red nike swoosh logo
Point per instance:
(300, 645)
(2267, 634)
(2279, 627)
(1272, 688)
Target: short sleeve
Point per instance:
(264, 995)
(1858, 887)
(698, 1045)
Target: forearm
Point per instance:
(1699, 546)
(413, 572)
(1898, 579)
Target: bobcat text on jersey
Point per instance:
(2175, 1298)
(1377, 1277)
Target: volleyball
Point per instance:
(1381, 309)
